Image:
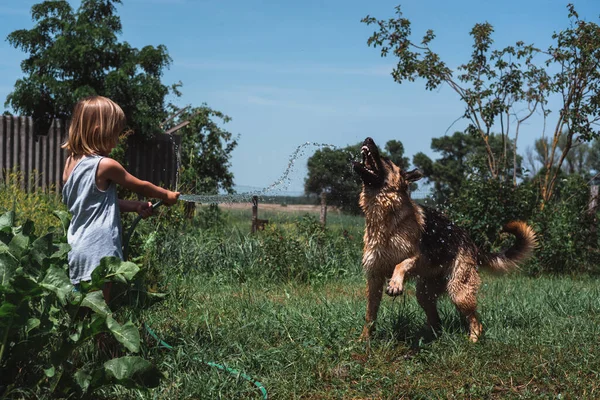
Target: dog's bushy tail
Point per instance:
(507, 260)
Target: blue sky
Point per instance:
(291, 72)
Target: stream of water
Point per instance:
(279, 185)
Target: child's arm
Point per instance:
(143, 208)
(111, 170)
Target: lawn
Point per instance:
(296, 333)
(301, 341)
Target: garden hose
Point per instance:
(165, 345)
(132, 228)
(233, 372)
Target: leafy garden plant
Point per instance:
(48, 329)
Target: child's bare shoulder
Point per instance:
(70, 164)
(109, 166)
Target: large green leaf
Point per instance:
(126, 334)
(8, 266)
(62, 249)
(82, 379)
(75, 334)
(114, 269)
(91, 329)
(95, 301)
(65, 220)
(7, 309)
(7, 220)
(97, 325)
(18, 245)
(26, 286)
(99, 273)
(28, 228)
(32, 323)
(110, 265)
(7, 312)
(90, 380)
(42, 248)
(128, 270)
(133, 372)
(57, 281)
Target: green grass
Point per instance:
(286, 307)
(300, 341)
(297, 332)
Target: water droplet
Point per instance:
(279, 185)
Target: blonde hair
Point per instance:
(95, 126)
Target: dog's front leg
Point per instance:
(396, 285)
(374, 293)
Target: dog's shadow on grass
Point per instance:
(408, 326)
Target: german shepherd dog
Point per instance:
(403, 239)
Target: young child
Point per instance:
(89, 191)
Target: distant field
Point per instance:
(278, 207)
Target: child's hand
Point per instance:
(171, 198)
(144, 209)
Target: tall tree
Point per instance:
(505, 87)
(329, 172)
(205, 151)
(73, 54)
(582, 159)
(395, 149)
(594, 158)
(462, 155)
(77, 53)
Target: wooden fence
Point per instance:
(40, 159)
(155, 160)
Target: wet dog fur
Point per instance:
(403, 239)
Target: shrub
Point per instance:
(566, 231)
(37, 206)
(567, 240)
(483, 206)
(302, 251)
(45, 334)
(209, 217)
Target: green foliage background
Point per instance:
(74, 53)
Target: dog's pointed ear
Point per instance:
(413, 176)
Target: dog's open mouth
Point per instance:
(368, 161)
(368, 168)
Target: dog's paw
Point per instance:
(394, 289)
(365, 336)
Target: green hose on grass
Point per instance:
(165, 345)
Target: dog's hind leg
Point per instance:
(462, 289)
(428, 292)
(396, 284)
(374, 293)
